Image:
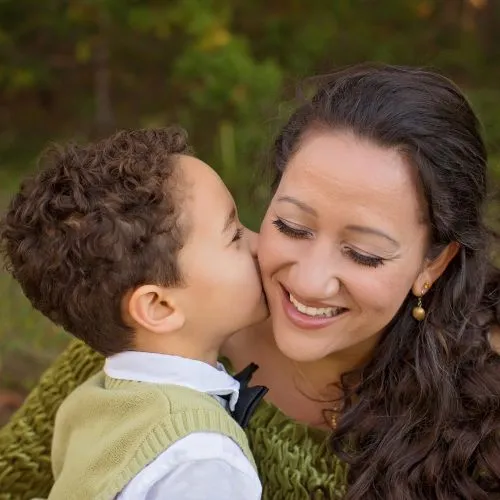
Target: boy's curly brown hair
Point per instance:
(97, 221)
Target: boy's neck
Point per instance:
(155, 344)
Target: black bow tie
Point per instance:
(249, 397)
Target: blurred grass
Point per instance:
(29, 341)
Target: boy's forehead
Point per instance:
(199, 176)
(204, 192)
(193, 166)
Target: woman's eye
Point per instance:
(237, 235)
(364, 260)
(289, 231)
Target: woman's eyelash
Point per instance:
(364, 260)
(290, 231)
(237, 235)
(359, 258)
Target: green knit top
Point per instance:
(293, 460)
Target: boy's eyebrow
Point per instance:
(230, 219)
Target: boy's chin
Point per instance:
(262, 313)
(260, 317)
(260, 320)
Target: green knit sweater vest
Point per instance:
(293, 460)
(108, 430)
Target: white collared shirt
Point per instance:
(203, 465)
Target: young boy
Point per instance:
(135, 247)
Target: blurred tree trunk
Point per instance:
(451, 12)
(489, 23)
(450, 21)
(104, 121)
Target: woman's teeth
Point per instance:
(327, 312)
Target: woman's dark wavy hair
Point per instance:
(424, 421)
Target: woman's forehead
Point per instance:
(342, 160)
(332, 170)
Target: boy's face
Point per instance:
(223, 292)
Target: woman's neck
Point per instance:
(325, 374)
(302, 391)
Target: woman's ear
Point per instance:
(154, 309)
(434, 268)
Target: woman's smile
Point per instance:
(309, 317)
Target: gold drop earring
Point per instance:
(418, 312)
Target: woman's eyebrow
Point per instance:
(372, 230)
(303, 206)
(360, 229)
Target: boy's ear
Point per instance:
(153, 308)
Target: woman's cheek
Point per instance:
(380, 291)
(269, 249)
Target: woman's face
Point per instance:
(341, 245)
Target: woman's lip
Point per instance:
(317, 305)
(303, 321)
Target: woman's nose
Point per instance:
(317, 277)
(317, 286)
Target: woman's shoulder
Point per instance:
(25, 442)
(294, 460)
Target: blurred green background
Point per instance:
(226, 70)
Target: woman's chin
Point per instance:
(301, 348)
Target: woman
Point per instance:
(382, 349)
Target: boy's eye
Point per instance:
(290, 231)
(237, 235)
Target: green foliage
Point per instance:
(219, 67)
(486, 104)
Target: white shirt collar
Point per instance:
(166, 369)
